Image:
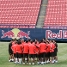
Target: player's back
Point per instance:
(25, 48)
(18, 48)
(31, 49)
(42, 47)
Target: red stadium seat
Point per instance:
(23, 12)
(56, 13)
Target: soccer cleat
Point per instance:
(52, 62)
(20, 60)
(42, 63)
(38, 63)
(24, 63)
(29, 63)
(32, 63)
(16, 62)
(12, 60)
(56, 61)
(9, 60)
(47, 61)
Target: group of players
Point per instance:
(33, 52)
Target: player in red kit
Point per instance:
(52, 47)
(55, 52)
(47, 52)
(14, 49)
(42, 52)
(32, 53)
(10, 52)
(37, 55)
(18, 52)
(25, 52)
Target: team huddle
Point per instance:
(33, 52)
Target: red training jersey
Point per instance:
(48, 48)
(31, 49)
(14, 48)
(18, 48)
(37, 48)
(42, 47)
(25, 48)
(52, 47)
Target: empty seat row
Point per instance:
(23, 12)
(56, 13)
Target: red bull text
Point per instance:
(52, 35)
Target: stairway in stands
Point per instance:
(42, 13)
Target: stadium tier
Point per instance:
(56, 13)
(19, 13)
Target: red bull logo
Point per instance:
(22, 34)
(15, 33)
(8, 34)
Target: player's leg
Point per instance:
(23, 58)
(55, 57)
(42, 58)
(16, 58)
(11, 57)
(52, 57)
(33, 59)
(20, 58)
(29, 59)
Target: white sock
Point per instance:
(20, 60)
(29, 63)
(56, 61)
(23, 63)
(16, 61)
(53, 61)
(47, 61)
(12, 59)
(25, 59)
(42, 62)
(32, 63)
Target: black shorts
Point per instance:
(36, 55)
(47, 55)
(52, 54)
(14, 54)
(42, 55)
(55, 52)
(9, 49)
(22, 55)
(10, 52)
(18, 55)
(31, 55)
(25, 55)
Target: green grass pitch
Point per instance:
(62, 57)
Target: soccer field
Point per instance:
(62, 57)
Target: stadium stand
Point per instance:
(55, 14)
(19, 13)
